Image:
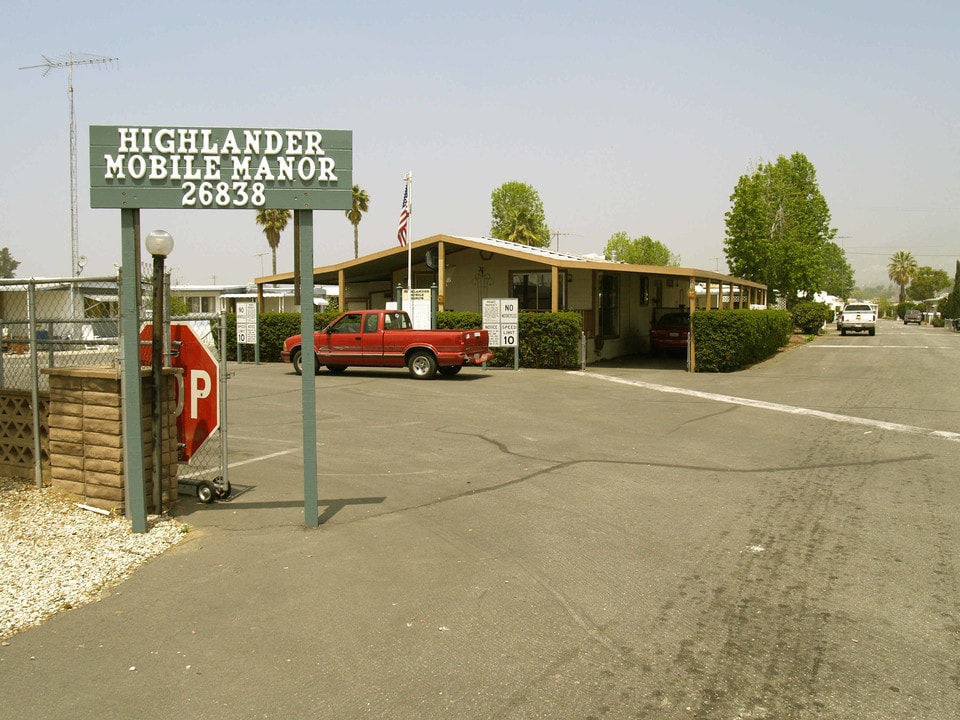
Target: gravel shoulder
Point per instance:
(55, 555)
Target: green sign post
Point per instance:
(163, 167)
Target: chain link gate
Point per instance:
(205, 472)
(75, 322)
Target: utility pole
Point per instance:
(69, 62)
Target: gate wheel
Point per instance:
(205, 491)
(223, 488)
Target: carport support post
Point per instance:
(303, 224)
(691, 341)
(131, 387)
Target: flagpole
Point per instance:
(409, 178)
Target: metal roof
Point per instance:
(381, 265)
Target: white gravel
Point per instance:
(55, 555)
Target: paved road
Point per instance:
(630, 542)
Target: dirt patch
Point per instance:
(796, 341)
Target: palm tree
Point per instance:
(361, 203)
(901, 270)
(273, 223)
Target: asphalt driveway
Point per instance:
(625, 542)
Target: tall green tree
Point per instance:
(901, 269)
(838, 277)
(777, 227)
(273, 223)
(950, 307)
(8, 266)
(517, 215)
(361, 203)
(643, 250)
(926, 283)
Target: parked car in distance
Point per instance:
(670, 332)
(912, 316)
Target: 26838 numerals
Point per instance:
(223, 194)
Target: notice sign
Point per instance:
(246, 323)
(418, 304)
(210, 168)
(501, 321)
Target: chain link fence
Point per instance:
(56, 323)
(75, 322)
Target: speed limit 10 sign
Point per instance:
(500, 320)
(246, 323)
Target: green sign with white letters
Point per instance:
(220, 168)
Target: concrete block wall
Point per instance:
(86, 436)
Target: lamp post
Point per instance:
(159, 245)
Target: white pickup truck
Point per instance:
(858, 317)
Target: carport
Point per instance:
(618, 302)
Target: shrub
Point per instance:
(547, 340)
(727, 340)
(272, 330)
(810, 317)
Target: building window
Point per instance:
(644, 290)
(609, 305)
(204, 304)
(533, 290)
(100, 307)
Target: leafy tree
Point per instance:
(837, 273)
(950, 307)
(273, 223)
(361, 203)
(517, 215)
(179, 306)
(901, 269)
(926, 283)
(884, 306)
(8, 266)
(778, 226)
(639, 251)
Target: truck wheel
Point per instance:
(872, 331)
(843, 332)
(297, 362)
(450, 370)
(422, 365)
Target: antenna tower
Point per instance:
(69, 62)
(557, 236)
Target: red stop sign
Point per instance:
(200, 414)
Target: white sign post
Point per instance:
(502, 322)
(418, 304)
(247, 326)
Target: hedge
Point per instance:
(727, 340)
(547, 340)
(273, 328)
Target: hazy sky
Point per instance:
(634, 116)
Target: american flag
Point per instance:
(404, 217)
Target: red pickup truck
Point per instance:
(387, 338)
